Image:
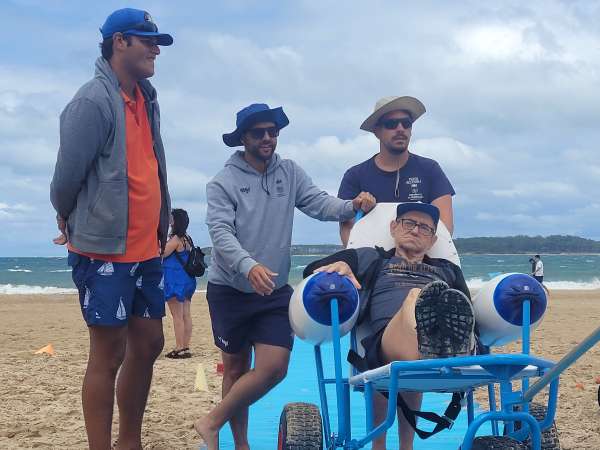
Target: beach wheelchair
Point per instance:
(507, 308)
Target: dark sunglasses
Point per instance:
(392, 124)
(259, 133)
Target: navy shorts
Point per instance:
(110, 292)
(540, 279)
(240, 319)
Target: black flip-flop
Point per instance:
(185, 353)
(175, 354)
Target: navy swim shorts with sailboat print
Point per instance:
(110, 292)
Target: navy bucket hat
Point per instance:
(254, 113)
(133, 22)
(425, 208)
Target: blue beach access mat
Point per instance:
(301, 385)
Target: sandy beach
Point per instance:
(40, 394)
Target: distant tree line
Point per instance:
(318, 249)
(530, 245)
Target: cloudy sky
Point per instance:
(512, 92)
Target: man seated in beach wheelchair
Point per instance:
(413, 303)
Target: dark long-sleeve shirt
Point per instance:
(386, 279)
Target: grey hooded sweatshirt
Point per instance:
(250, 217)
(89, 187)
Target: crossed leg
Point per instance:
(270, 367)
(234, 367)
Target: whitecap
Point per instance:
(15, 289)
(477, 283)
(19, 270)
(573, 285)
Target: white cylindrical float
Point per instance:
(310, 310)
(498, 307)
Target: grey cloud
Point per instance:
(511, 90)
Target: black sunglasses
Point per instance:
(259, 133)
(392, 124)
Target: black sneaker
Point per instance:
(445, 323)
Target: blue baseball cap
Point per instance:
(254, 113)
(133, 22)
(431, 210)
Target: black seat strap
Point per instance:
(446, 421)
(357, 361)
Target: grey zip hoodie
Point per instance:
(89, 187)
(249, 226)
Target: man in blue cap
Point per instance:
(251, 204)
(112, 201)
(414, 307)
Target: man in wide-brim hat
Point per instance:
(250, 212)
(395, 174)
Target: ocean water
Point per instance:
(52, 275)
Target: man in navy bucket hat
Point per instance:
(257, 112)
(110, 193)
(251, 204)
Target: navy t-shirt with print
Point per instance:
(421, 180)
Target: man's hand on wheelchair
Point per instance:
(364, 201)
(341, 268)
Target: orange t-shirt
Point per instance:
(143, 185)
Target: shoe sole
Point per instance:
(426, 313)
(445, 324)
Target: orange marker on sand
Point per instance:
(48, 349)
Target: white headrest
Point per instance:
(374, 229)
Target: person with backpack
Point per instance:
(178, 284)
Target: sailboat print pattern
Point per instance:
(106, 269)
(138, 283)
(133, 269)
(161, 285)
(86, 298)
(121, 313)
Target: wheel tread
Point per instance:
(302, 427)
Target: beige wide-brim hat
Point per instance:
(387, 104)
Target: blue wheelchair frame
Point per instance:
(495, 369)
